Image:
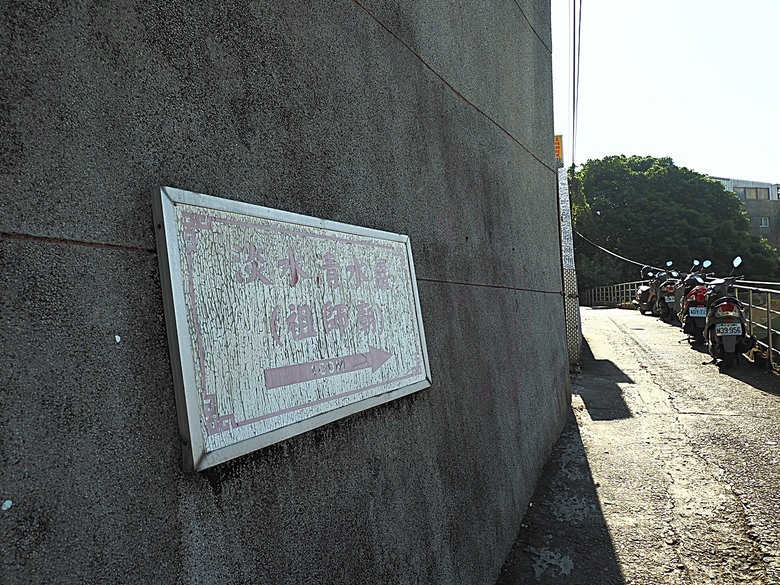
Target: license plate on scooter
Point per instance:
(697, 312)
(728, 329)
(669, 299)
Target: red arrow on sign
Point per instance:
(374, 358)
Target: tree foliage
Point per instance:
(649, 210)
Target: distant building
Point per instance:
(762, 203)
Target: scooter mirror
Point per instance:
(707, 263)
(737, 261)
(696, 262)
(669, 263)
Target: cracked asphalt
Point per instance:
(667, 473)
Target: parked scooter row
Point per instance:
(708, 311)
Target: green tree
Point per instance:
(649, 210)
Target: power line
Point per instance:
(608, 251)
(576, 33)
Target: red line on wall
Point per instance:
(67, 242)
(449, 85)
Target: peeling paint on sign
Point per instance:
(279, 323)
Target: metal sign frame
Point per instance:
(178, 233)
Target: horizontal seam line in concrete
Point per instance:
(67, 242)
(501, 286)
(454, 90)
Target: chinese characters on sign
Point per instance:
(559, 147)
(281, 320)
(335, 317)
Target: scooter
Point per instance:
(646, 297)
(666, 298)
(646, 294)
(725, 327)
(692, 303)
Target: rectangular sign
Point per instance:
(567, 233)
(559, 146)
(279, 323)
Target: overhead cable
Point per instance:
(576, 32)
(608, 251)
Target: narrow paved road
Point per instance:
(668, 473)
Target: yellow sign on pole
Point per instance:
(559, 146)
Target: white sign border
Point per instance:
(196, 458)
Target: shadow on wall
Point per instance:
(603, 397)
(564, 538)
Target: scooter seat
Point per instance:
(722, 300)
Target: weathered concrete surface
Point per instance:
(411, 118)
(669, 471)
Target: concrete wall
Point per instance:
(769, 209)
(425, 118)
(757, 208)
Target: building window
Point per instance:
(764, 222)
(752, 192)
(757, 192)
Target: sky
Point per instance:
(694, 80)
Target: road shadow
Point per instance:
(564, 538)
(603, 397)
(700, 347)
(754, 373)
(752, 369)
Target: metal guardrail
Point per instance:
(762, 303)
(763, 318)
(613, 295)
